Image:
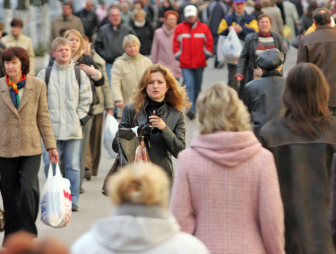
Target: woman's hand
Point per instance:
(90, 70)
(119, 104)
(157, 122)
(109, 111)
(53, 155)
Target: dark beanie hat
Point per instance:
(270, 59)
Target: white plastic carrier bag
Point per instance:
(111, 128)
(56, 205)
(232, 47)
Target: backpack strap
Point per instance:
(78, 75)
(47, 75)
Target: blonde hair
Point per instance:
(219, 109)
(139, 183)
(176, 95)
(138, 12)
(60, 41)
(81, 49)
(129, 39)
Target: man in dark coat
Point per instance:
(318, 48)
(110, 37)
(263, 97)
(89, 18)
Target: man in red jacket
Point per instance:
(193, 45)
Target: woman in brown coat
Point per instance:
(24, 119)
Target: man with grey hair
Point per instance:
(89, 18)
(70, 101)
(319, 48)
(109, 38)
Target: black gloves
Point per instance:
(144, 130)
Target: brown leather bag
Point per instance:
(257, 72)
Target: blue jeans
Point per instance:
(108, 72)
(71, 150)
(193, 78)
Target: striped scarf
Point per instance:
(14, 90)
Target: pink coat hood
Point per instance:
(227, 148)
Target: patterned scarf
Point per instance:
(14, 90)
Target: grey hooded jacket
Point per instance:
(138, 229)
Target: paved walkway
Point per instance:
(93, 205)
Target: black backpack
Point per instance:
(48, 72)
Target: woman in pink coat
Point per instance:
(226, 190)
(162, 47)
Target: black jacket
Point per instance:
(263, 98)
(162, 144)
(145, 35)
(247, 60)
(304, 170)
(305, 24)
(90, 21)
(109, 41)
(213, 15)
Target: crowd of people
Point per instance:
(257, 178)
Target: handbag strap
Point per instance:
(263, 48)
(261, 43)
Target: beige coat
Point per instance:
(126, 74)
(104, 92)
(58, 23)
(24, 42)
(22, 128)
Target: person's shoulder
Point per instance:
(25, 37)
(57, 19)
(250, 17)
(38, 83)
(75, 18)
(158, 31)
(251, 36)
(276, 35)
(189, 243)
(272, 127)
(129, 107)
(125, 27)
(253, 85)
(83, 243)
(147, 61)
(6, 38)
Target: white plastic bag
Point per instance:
(232, 46)
(56, 205)
(111, 128)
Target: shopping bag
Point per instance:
(56, 205)
(287, 32)
(111, 128)
(232, 46)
